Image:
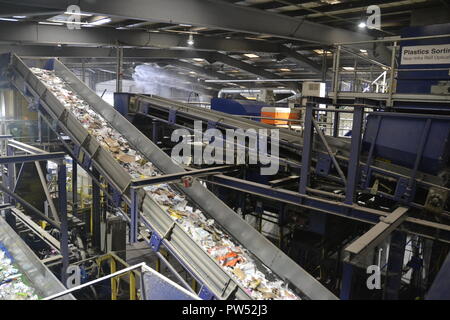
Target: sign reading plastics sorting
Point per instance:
(431, 54)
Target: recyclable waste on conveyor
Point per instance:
(12, 282)
(233, 258)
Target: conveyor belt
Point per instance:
(39, 276)
(203, 267)
(288, 138)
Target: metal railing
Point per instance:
(388, 72)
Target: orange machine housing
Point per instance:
(279, 113)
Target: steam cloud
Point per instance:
(153, 79)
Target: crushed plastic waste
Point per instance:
(12, 286)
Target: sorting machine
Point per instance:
(143, 212)
(391, 178)
(337, 201)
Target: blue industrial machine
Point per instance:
(238, 107)
(423, 66)
(398, 138)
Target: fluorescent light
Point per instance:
(19, 17)
(185, 25)
(68, 22)
(78, 14)
(362, 25)
(190, 40)
(198, 59)
(363, 50)
(51, 23)
(285, 70)
(8, 19)
(100, 22)
(348, 68)
(251, 55)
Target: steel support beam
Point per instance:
(395, 265)
(170, 178)
(96, 210)
(32, 33)
(64, 231)
(244, 66)
(308, 136)
(346, 282)
(413, 225)
(11, 182)
(141, 53)
(32, 158)
(43, 179)
(353, 164)
(16, 197)
(41, 233)
(303, 61)
(134, 214)
(74, 186)
(119, 68)
(9, 10)
(210, 13)
(377, 233)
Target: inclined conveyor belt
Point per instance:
(288, 139)
(180, 244)
(37, 274)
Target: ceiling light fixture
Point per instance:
(19, 17)
(285, 70)
(362, 25)
(68, 22)
(191, 40)
(251, 55)
(8, 19)
(100, 22)
(51, 23)
(348, 68)
(78, 14)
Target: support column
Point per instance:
(134, 213)
(74, 186)
(119, 73)
(353, 165)
(346, 283)
(395, 265)
(155, 131)
(307, 147)
(10, 181)
(337, 119)
(64, 238)
(96, 211)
